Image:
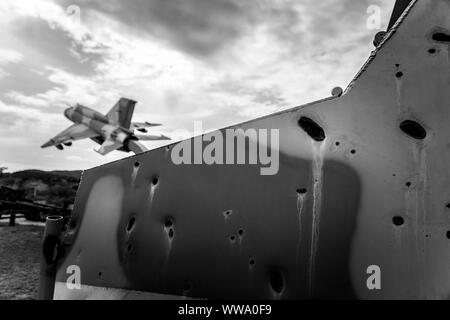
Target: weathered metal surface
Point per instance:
(51, 252)
(373, 191)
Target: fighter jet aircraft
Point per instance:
(113, 131)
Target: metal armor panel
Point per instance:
(373, 191)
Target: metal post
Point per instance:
(12, 219)
(51, 252)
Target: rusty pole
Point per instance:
(51, 252)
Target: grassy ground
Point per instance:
(20, 248)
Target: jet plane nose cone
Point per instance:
(68, 113)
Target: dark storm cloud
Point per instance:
(199, 27)
(42, 45)
(205, 27)
(323, 23)
(54, 46)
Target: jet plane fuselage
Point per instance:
(97, 122)
(87, 112)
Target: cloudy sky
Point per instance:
(218, 61)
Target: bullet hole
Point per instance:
(397, 65)
(441, 37)
(353, 151)
(413, 129)
(136, 164)
(302, 191)
(398, 221)
(394, 175)
(187, 287)
(130, 247)
(448, 206)
(241, 232)
(276, 281)
(427, 236)
(232, 238)
(227, 213)
(338, 143)
(131, 224)
(312, 129)
(408, 184)
(399, 74)
(251, 262)
(432, 51)
(155, 181)
(99, 274)
(448, 234)
(168, 223)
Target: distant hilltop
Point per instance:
(48, 187)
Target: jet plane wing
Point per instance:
(141, 137)
(72, 133)
(141, 126)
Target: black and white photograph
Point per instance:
(240, 152)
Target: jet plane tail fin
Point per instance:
(122, 112)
